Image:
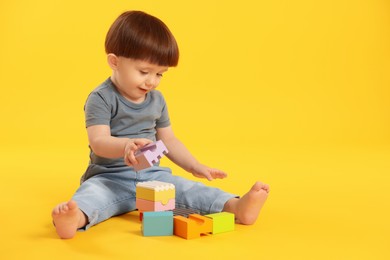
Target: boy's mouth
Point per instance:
(144, 90)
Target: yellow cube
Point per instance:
(155, 191)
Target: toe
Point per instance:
(55, 211)
(72, 204)
(64, 208)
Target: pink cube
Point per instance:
(149, 155)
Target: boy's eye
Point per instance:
(143, 72)
(159, 74)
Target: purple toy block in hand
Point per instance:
(149, 155)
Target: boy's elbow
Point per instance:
(95, 147)
(94, 150)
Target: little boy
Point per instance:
(125, 113)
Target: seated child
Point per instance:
(125, 113)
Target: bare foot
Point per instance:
(67, 218)
(247, 208)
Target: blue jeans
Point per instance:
(110, 194)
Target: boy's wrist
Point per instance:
(193, 168)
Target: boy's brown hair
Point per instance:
(137, 35)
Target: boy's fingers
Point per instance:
(131, 157)
(218, 174)
(208, 176)
(130, 162)
(127, 161)
(129, 153)
(142, 141)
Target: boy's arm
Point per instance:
(107, 146)
(180, 155)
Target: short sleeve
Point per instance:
(97, 111)
(164, 120)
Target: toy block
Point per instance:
(192, 227)
(155, 191)
(149, 155)
(157, 223)
(148, 205)
(185, 228)
(205, 224)
(222, 222)
(184, 212)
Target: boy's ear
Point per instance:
(112, 60)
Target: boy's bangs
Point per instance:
(138, 35)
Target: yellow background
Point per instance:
(293, 93)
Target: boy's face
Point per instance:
(135, 78)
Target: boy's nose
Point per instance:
(150, 83)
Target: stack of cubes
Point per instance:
(155, 200)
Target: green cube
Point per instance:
(222, 222)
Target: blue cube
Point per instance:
(157, 223)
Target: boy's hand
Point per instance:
(131, 147)
(202, 171)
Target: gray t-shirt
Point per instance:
(106, 106)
